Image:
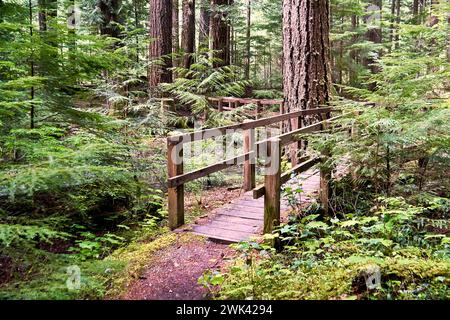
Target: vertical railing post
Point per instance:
(249, 164)
(325, 176)
(281, 113)
(272, 178)
(175, 194)
(258, 109)
(294, 148)
(220, 105)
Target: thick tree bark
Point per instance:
(220, 33)
(247, 40)
(354, 52)
(415, 11)
(374, 34)
(306, 47)
(110, 17)
(32, 71)
(188, 32)
(160, 48)
(448, 38)
(204, 24)
(47, 10)
(229, 45)
(175, 32)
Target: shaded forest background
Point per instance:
(83, 121)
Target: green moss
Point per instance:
(269, 280)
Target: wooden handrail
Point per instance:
(290, 137)
(260, 191)
(212, 133)
(247, 100)
(200, 173)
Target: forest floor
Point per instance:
(173, 271)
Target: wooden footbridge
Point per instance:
(259, 209)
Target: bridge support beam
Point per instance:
(272, 198)
(176, 194)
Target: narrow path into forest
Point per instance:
(173, 272)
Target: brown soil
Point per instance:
(173, 272)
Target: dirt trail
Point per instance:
(174, 271)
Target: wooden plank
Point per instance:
(250, 204)
(216, 132)
(197, 174)
(240, 214)
(221, 234)
(239, 220)
(233, 226)
(244, 209)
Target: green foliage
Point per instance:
(330, 259)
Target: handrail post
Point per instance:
(325, 177)
(296, 123)
(258, 109)
(176, 194)
(249, 164)
(281, 122)
(272, 198)
(220, 105)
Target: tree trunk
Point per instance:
(1, 11)
(32, 93)
(175, 30)
(188, 32)
(415, 11)
(374, 34)
(448, 37)
(306, 64)
(160, 48)
(110, 17)
(204, 24)
(229, 44)
(397, 20)
(306, 47)
(219, 33)
(354, 53)
(247, 40)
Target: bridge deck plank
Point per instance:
(244, 217)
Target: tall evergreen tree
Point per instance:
(188, 33)
(160, 48)
(220, 32)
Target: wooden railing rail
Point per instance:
(291, 137)
(197, 174)
(213, 133)
(273, 181)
